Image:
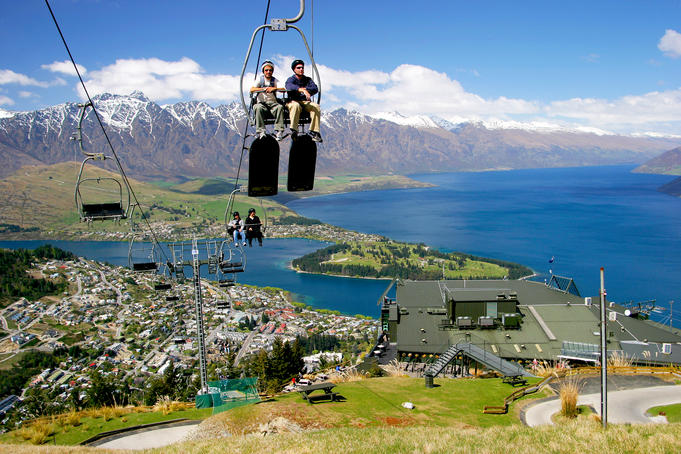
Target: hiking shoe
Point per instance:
(279, 135)
(244, 243)
(294, 134)
(316, 136)
(260, 135)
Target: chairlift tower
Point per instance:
(198, 305)
(178, 267)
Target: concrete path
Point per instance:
(150, 439)
(627, 406)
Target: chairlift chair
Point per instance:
(91, 205)
(264, 152)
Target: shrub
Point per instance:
(569, 392)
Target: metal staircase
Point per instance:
(482, 356)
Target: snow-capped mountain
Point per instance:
(196, 139)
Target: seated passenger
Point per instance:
(236, 227)
(300, 91)
(252, 225)
(266, 87)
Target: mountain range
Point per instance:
(193, 139)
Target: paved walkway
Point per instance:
(150, 439)
(627, 406)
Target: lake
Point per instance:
(586, 218)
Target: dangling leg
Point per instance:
(294, 115)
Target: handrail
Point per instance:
(588, 370)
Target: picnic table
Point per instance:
(514, 380)
(326, 387)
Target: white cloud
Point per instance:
(413, 90)
(5, 101)
(657, 109)
(670, 44)
(163, 80)
(8, 76)
(27, 94)
(408, 89)
(64, 67)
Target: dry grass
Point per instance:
(165, 405)
(575, 436)
(38, 432)
(72, 419)
(348, 376)
(569, 392)
(393, 369)
(546, 368)
(619, 359)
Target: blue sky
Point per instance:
(610, 65)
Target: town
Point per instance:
(142, 324)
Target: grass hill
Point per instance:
(446, 419)
(42, 197)
(37, 199)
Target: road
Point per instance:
(627, 406)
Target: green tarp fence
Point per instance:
(227, 394)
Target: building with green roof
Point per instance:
(518, 320)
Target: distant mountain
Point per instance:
(672, 188)
(193, 139)
(668, 163)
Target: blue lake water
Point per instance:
(587, 218)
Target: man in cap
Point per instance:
(300, 91)
(266, 87)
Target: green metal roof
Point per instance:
(549, 317)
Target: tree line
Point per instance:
(16, 283)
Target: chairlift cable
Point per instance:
(101, 125)
(244, 135)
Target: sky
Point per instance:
(597, 65)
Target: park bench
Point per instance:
(514, 380)
(328, 394)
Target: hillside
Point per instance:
(390, 259)
(42, 198)
(193, 139)
(668, 163)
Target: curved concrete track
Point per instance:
(627, 406)
(148, 439)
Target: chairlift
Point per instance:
(264, 152)
(99, 198)
(142, 257)
(229, 212)
(232, 259)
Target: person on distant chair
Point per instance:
(301, 89)
(236, 228)
(252, 225)
(266, 87)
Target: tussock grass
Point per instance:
(38, 432)
(349, 375)
(165, 405)
(619, 359)
(546, 368)
(569, 392)
(393, 369)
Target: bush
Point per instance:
(569, 392)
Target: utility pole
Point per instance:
(604, 357)
(671, 312)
